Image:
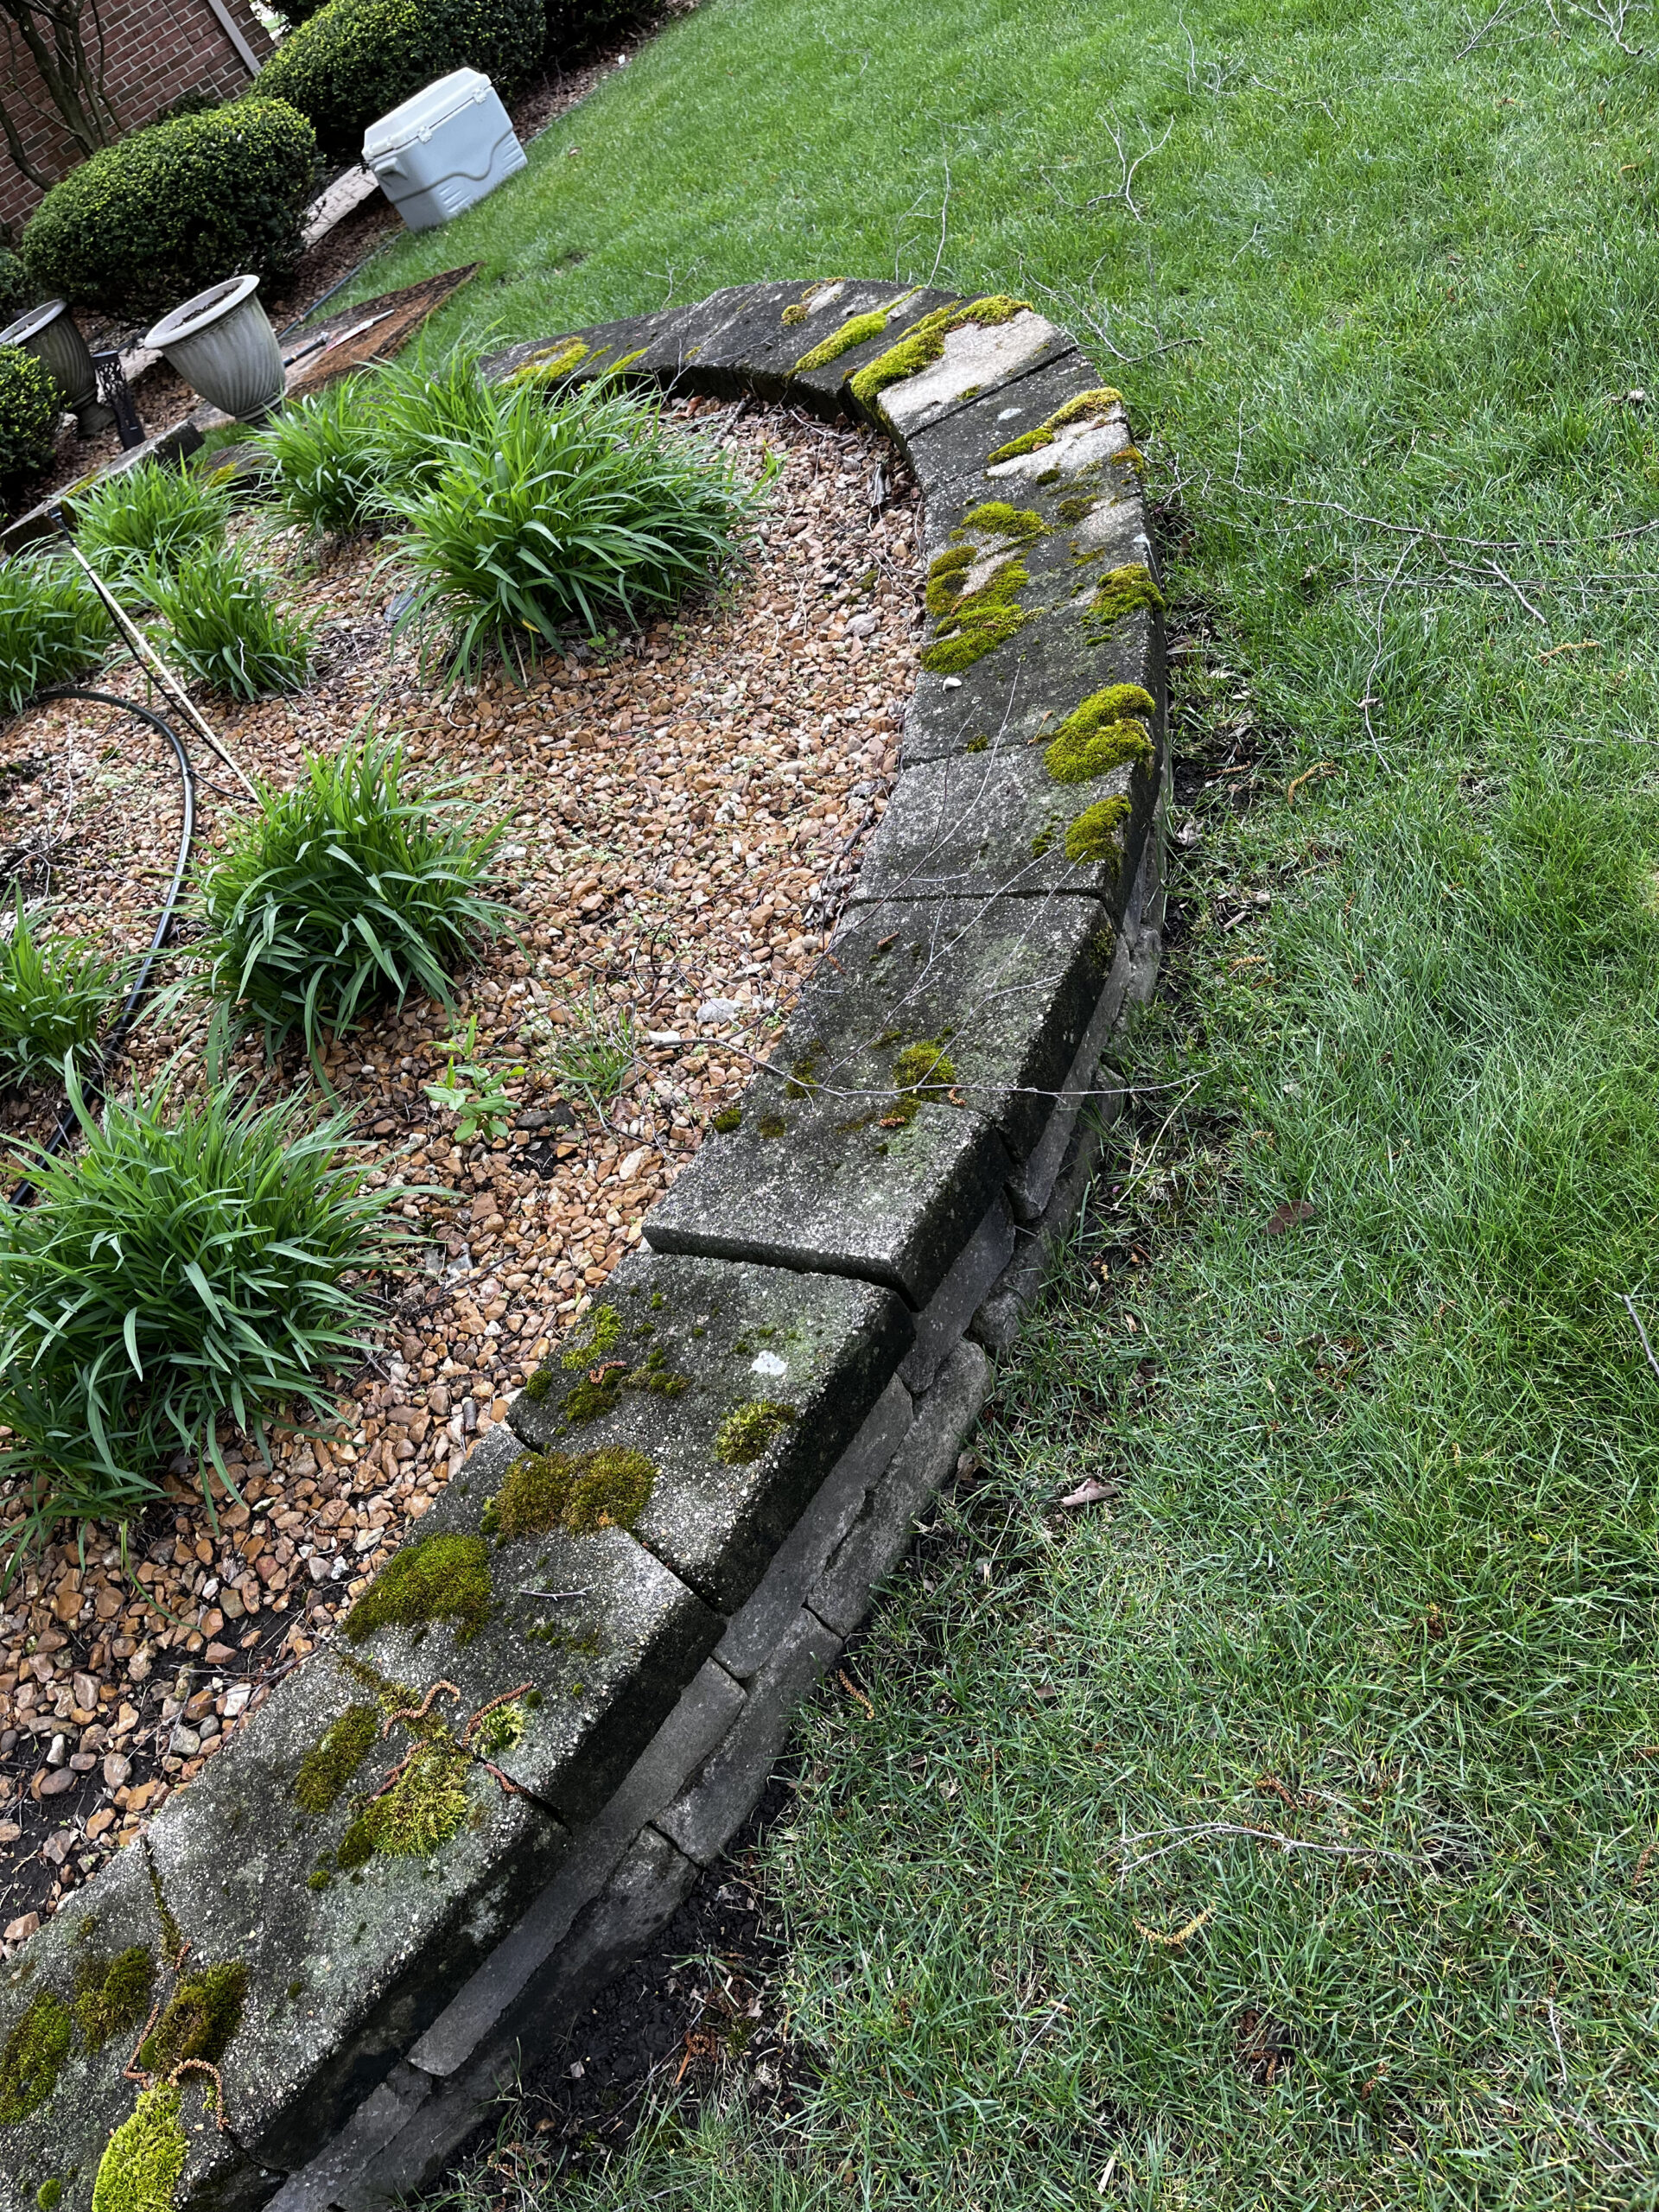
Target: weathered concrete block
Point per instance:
(703, 1821)
(976, 358)
(698, 1351)
(754, 1632)
(821, 1183)
(589, 354)
(881, 1534)
(995, 824)
(953, 455)
(948, 1312)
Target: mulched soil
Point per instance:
(688, 808)
(162, 396)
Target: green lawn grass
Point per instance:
(1380, 1575)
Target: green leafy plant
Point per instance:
(347, 891)
(184, 1265)
(145, 223)
(328, 471)
(53, 627)
(16, 293)
(578, 508)
(356, 59)
(148, 516)
(425, 406)
(29, 407)
(595, 1054)
(54, 994)
(225, 628)
(470, 1090)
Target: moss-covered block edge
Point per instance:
(625, 1874)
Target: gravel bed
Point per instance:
(688, 808)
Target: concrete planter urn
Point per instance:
(50, 333)
(222, 344)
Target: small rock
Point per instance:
(117, 1771)
(720, 1010)
(183, 1744)
(861, 625)
(10, 1831)
(86, 1691)
(19, 1931)
(138, 1666)
(57, 1750)
(236, 1700)
(55, 1784)
(663, 1037)
(83, 1761)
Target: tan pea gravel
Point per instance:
(688, 810)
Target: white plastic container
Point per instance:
(448, 146)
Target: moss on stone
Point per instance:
(729, 1118)
(502, 1729)
(1077, 508)
(434, 1579)
(1086, 406)
(922, 1071)
(659, 1381)
(1017, 527)
(144, 2158)
(923, 342)
(597, 1332)
(1094, 835)
(944, 579)
(1121, 591)
(977, 745)
(203, 2013)
(423, 1809)
(33, 2056)
(577, 1491)
(334, 1757)
(857, 330)
(587, 1399)
(803, 1073)
(549, 362)
(1107, 729)
(980, 620)
(772, 1125)
(751, 1430)
(113, 1996)
(49, 2195)
(538, 1385)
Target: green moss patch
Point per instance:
(203, 2013)
(597, 1334)
(144, 2157)
(549, 362)
(111, 1998)
(332, 1761)
(425, 1806)
(1107, 729)
(1122, 591)
(923, 342)
(502, 1729)
(857, 330)
(729, 1118)
(1085, 407)
(1017, 527)
(922, 1071)
(1094, 835)
(577, 1491)
(980, 620)
(745, 1435)
(434, 1579)
(33, 2056)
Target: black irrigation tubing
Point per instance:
(111, 1045)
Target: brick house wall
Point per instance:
(154, 50)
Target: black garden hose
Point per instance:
(104, 1051)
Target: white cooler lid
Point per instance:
(421, 113)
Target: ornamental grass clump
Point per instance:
(225, 629)
(328, 473)
(347, 891)
(53, 627)
(565, 512)
(54, 993)
(149, 517)
(189, 1263)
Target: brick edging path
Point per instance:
(566, 1692)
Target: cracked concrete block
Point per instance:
(705, 1818)
(879, 1539)
(754, 1632)
(697, 1350)
(987, 1252)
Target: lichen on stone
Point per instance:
(434, 1579)
(144, 2157)
(772, 1125)
(923, 342)
(1094, 835)
(1086, 406)
(334, 1757)
(112, 1997)
(577, 1491)
(202, 2015)
(1121, 591)
(597, 1332)
(751, 1430)
(857, 330)
(33, 2056)
(1105, 731)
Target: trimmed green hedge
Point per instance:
(30, 407)
(573, 24)
(357, 60)
(145, 224)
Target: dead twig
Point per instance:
(1631, 1306)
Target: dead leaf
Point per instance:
(1089, 1492)
(1291, 1215)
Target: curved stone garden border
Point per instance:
(766, 1395)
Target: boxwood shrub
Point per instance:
(30, 407)
(573, 24)
(142, 224)
(356, 59)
